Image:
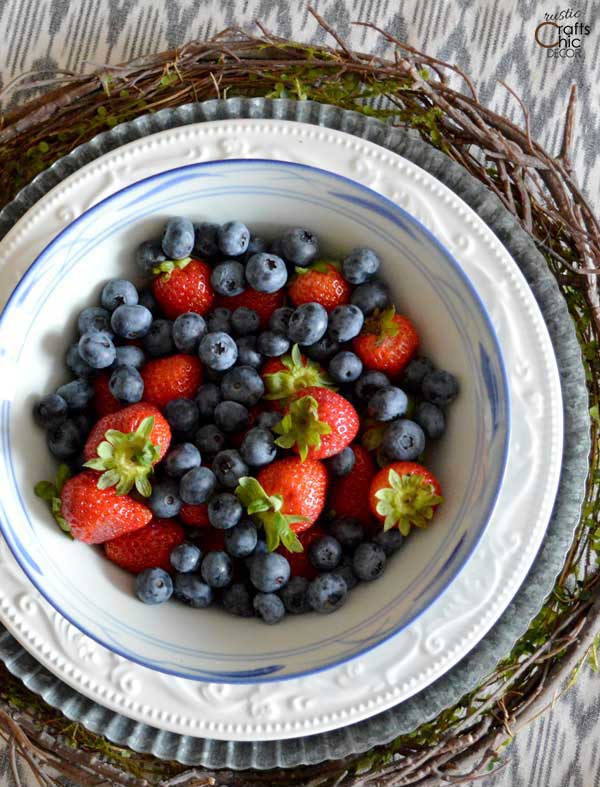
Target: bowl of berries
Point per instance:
(246, 393)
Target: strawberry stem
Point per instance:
(409, 501)
(301, 426)
(300, 372)
(50, 493)
(167, 267)
(266, 511)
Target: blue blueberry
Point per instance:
(268, 419)
(387, 403)
(234, 238)
(130, 355)
(182, 458)
(370, 296)
(345, 322)
(206, 239)
(259, 549)
(346, 571)
(158, 342)
(295, 596)
(147, 299)
(348, 531)
(224, 511)
(65, 439)
(153, 586)
(256, 244)
(217, 569)
(345, 367)
(299, 246)
(272, 344)
(242, 384)
(360, 265)
(231, 416)
(229, 467)
(279, 321)
(269, 572)
(245, 321)
(182, 414)
(248, 355)
(51, 410)
(439, 388)
(84, 423)
(76, 394)
(218, 351)
(94, 318)
(240, 541)
(219, 320)
(197, 485)
(414, 372)
(238, 601)
(389, 540)
(431, 419)
(325, 553)
(341, 464)
(227, 278)
(323, 350)
(190, 589)
(126, 384)
(118, 292)
(368, 561)
(258, 447)
(403, 441)
(165, 502)
(369, 383)
(266, 272)
(185, 557)
(308, 323)
(210, 440)
(131, 322)
(269, 607)
(97, 350)
(76, 363)
(187, 331)
(208, 397)
(148, 255)
(327, 593)
(178, 238)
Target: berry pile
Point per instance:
(246, 430)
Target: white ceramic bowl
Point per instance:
(428, 285)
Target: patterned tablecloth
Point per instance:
(491, 41)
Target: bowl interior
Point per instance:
(38, 323)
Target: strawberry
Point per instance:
(170, 378)
(404, 495)
(183, 286)
(261, 302)
(350, 494)
(317, 423)
(322, 283)
(287, 498)
(104, 402)
(148, 547)
(194, 516)
(211, 540)
(283, 377)
(95, 515)
(300, 564)
(125, 446)
(387, 342)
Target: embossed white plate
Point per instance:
(430, 646)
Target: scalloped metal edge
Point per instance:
(465, 676)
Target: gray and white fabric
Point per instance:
(491, 41)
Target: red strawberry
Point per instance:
(350, 494)
(300, 564)
(317, 423)
(387, 342)
(194, 516)
(210, 540)
(321, 283)
(96, 515)
(287, 497)
(104, 402)
(170, 378)
(283, 377)
(126, 445)
(262, 302)
(148, 547)
(183, 286)
(404, 495)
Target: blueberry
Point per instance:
(178, 238)
(231, 416)
(369, 383)
(275, 247)
(237, 601)
(118, 292)
(345, 322)
(51, 410)
(153, 586)
(268, 419)
(131, 322)
(240, 540)
(243, 384)
(346, 571)
(294, 596)
(269, 572)
(126, 385)
(439, 388)
(97, 350)
(389, 540)
(219, 320)
(280, 319)
(209, 439)
(403, 441)
(187, 331)
(227, 278)
(206, 239)
(229, 467)
(218, 351)
(345, 367)
(325, 553)
(76, 363)
(258, 447)
(245, 321)
(197, 485)
(368, 561)
(248, 355)
(414, 372)
(370, 296)
(147, 299)
(182, 458)
(182, 414)
(327, 593)
(341, 464)
(217, 569)
(76, 394)
(185, 557)
(224, 511)
(431, 419)
(256, 244)
(360, 265)
(266, 272)
(207, 398)
(165, 502)
(272, 344)
(148, 255)
(233, 238)
(348, 531)
(308, 324)
(84, 423)
(387, 403)
(158, 342)
(94, 318)
(299, 246)
(65, 439)
(130, 355)
(259, 549)
(190, 589)
(323, 350)
(269, 607)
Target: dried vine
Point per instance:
(408, 89)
